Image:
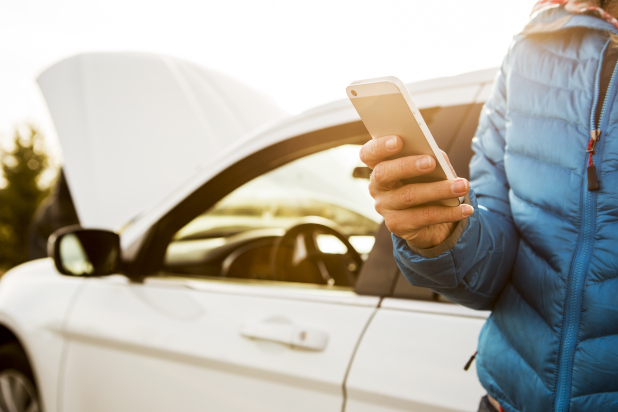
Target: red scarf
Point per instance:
(577, 7)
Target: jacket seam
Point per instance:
(611, 123)
(477, 292)
(562, 56)
(541, 208)
(608, 173)
(539, 256)
(532, 307)
(523, 359)
(575, 89)
(500, 213)
(558, 119)
(495, 130)
(504, 401)
(517, 153)
(597, 338)
(592, 394)
(604, 280)
(450, 253)
(502, 391)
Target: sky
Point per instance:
(302, 53)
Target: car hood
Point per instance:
(133, 127)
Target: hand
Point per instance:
(422, 226)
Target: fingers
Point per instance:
(410, 220)
(376, 150)
(387, 173)
(417, 194)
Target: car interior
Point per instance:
(310, 220)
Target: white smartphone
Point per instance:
(386, 108)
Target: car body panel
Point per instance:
(171, 344)
(411, 357)
(34, 302)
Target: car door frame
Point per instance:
(150, 258)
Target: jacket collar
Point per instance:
(557, 18)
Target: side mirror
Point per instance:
(85, 252)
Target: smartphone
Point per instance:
(386, 108)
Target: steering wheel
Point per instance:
(298, 258)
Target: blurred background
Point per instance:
(302, 54)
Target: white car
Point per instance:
(251, 272)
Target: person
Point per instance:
(536, 239)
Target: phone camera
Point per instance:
(353, 92)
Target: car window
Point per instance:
(309, 221)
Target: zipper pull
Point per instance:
(593, 181)
(469, 363)
(595, 135)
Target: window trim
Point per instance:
(267, 289)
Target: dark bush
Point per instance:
(20, 193)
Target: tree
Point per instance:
(21, 167)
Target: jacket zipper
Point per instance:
(584, 252)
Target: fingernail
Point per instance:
(424, 163)
(467, 210)
(459, 186)
(391, 144)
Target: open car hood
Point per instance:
(133, 127)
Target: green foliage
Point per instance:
(20, 194)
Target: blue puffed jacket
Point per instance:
(541, 249)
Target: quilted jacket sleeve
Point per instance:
(475, 270)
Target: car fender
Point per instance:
(34, 305)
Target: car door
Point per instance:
(194, 345)
(412, 358)
(214, 330)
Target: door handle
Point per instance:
(283, 331)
